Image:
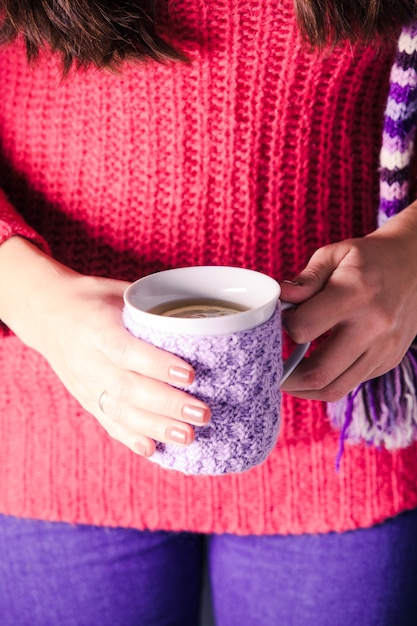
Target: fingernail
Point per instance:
(198, 414)
(141, 449)
(181, 374)
(294, 283)
(177, 435)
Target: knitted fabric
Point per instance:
(255, 154)
(238, 376)
(383, 411)
(399, 128)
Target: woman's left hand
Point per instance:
(364, 291)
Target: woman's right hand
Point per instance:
(75, 322)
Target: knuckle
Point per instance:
(384, 321)
(297, 330)
(116, 349)
(114, 411)
(334, 394)
(169, 405)
(394, 358)
(396, 362)
(316, 379)
(365, 276)
(389, 350)
(112, 429)
(154, 429)
(312, 273)
(124, 388)
(156, 362)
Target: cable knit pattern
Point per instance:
(238, 376)
(255, 154)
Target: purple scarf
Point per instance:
(383, 411)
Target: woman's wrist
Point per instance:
(28, 279)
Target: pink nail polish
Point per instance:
(140, 449)
(181, 374)
(195, 413)
(177, 435)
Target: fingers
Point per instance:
(138, 387)
(333, 369)
(359, 292)
(325, 292)
(138, 443)
(360, 371)
(321, 313)
(125, 383)
(128, 389)
(137, 411)
(315, 275)
(129, 353)
(341, 363)
(129, 424)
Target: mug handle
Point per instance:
(297, 354)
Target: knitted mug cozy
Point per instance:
(238, 375)
(383, 411)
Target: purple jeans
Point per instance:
(56, 573)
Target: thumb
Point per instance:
(315, 275)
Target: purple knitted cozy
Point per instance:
(383, 411)
(238, 376)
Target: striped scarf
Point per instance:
(383, 411)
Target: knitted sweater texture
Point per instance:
(255, 154)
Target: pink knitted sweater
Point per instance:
(255, 154)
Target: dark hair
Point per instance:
(325, 22)
(98, 32)
(104, 32)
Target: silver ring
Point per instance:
(100, 400)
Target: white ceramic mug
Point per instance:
(237, 360)
(256, 291)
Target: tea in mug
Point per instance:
(195, 308)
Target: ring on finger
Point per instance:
(101, 400)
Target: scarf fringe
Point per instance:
(381, 411)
